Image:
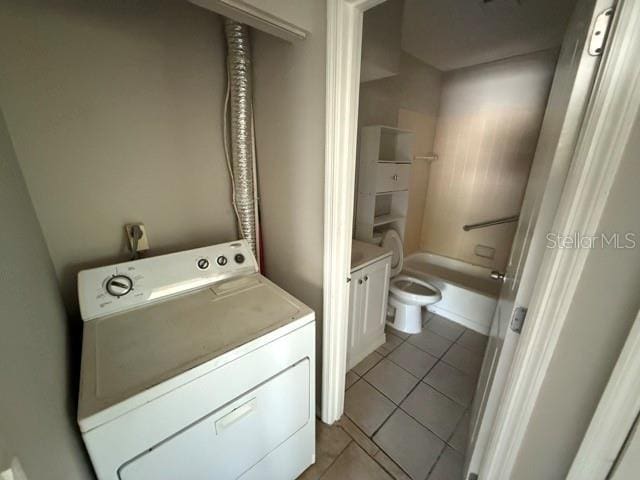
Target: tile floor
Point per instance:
(406, 409)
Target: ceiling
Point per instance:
(451, 34)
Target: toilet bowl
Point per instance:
(407, 293)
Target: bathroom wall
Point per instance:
(488, 125)
(37, 417)
(289, 81)
(381, 33)
(408, 100)
(416, 88)
(115, 111)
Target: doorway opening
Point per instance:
(383, 203)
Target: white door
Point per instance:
(628, 463)
(570, 90)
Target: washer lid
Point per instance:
(132, 357)
(391, 241)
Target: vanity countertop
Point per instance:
(363, 254)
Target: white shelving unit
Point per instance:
(384, 171)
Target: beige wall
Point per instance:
(416, 88)
(488, 125)
(115, 109)
(381, 32)
(115, 112)
(599, 319)
(408, 100)
(289, 81)
(37, 420)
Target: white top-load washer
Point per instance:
(195, 366)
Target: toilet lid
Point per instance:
(392, 241)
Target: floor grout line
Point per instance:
(397, 406)
(443, 393)
(338, 455)
(420, 379)
(433, 467)
(466, 410)
(379, 448)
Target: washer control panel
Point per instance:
(107, 290)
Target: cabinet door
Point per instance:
(376, 288)
(385, 177)
(403, 172)
(356, 291)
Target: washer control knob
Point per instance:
(222, 260)
(202, 263)
(239, 258)
(119, 285)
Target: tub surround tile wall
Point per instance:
(424, 125)
(488, 125)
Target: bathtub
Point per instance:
(469, 295)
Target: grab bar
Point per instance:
(490, 223)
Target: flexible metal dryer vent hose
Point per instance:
(239, 99)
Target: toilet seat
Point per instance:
(415, 291)
(391, 241)
(407, 293)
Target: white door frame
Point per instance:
(615, 415)
(613, 108)
(344, 43)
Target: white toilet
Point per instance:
(407, 293)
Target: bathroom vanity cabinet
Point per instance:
(369, 287)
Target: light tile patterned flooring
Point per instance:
(406, 409)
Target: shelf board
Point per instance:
(391, 192)
(384, 219)
(401, 162)
(387, 128)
